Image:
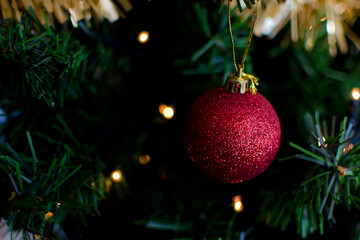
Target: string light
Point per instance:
(355, 94)
(48, 215)
(162, 107)
(237, 203)
(143, 37)
(116, 176)
(167, 111)
(144, 159)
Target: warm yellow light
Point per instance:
(166, 111)
(143, 37)
(144, 159)
(238, 206)
(116, 176)
(355, 94)
(162, 108)
(48, 215)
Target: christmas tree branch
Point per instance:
(32, 199)
(329, 182)
(50, 64)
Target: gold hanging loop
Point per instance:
(241, 82)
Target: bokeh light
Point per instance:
(143, 37)
(237, 203)
(144, 159)
(116, 176)
(167, 111)
(355, 94)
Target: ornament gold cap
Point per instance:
(241, 82)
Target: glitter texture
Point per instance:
(232, 137)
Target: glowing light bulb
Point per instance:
(116, 176)
(238, 205)
(162, 108)
(48, 215)
(355, 94)
(143, 37)
(144, 159)
(166, 111)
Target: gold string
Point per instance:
(250, 35)
(248, 43)
(231, 37)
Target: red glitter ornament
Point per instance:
(232, 137)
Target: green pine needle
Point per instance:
(66, 178)
(321, 159)
(49, 173)
(67, 129)
(323, 188)
(35, 160)
(316, 177)
(18, 173)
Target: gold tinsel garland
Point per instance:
(49, 11)
(306, 17)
